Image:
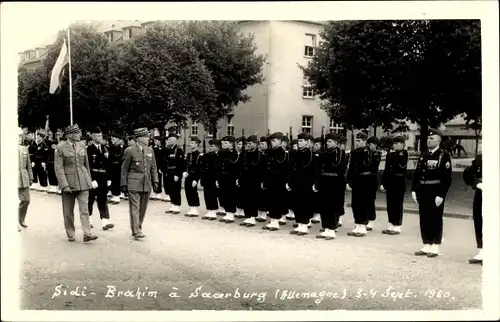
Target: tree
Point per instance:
(159, 78)
(232, 61)
(383, 73)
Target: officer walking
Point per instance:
(138, 176)
(116, 150)
(330, 181)
(473, 176)
(373, 143)
(25, 181)
(275, 181)
(228, 161)
(172, 173)
(394, 183)
(192, 176)
(251, 178)
(209, 178)
(73, 174)
(431, 182)
(99, 163)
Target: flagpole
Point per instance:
(70, 80)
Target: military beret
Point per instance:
(317, 140)
(95, 129)
(342, 139)
(294, 142)
(213, 142)
(373, 139)
(240, 139)
(399, 138)
(435, 132)
(286, 139)
(195, 139)
(116, 135)
(332, 136)
(276, 135)
(263, 139)
(304, 136)
(228, 138)
(172, 135)
(252, 138)
(361, 135)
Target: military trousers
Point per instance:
(24, 201)
(51, 174)
(210, 194)
(250, 190)
(372, 182)
(101, 194)
(360, 199)
(173, 188)
(115, 177)
(40, 174)
(277, 198)
(192, 196)
(302, 194)
(395, 194)
(138, 204)
(228, 192)
(331, 201)
(68, 204)
(477, 216)
(431, 216)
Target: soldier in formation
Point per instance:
(473, 176)
(192, 176)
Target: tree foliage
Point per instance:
(381, 73)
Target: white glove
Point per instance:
(94, 184)
(237, 182)
(109, 183)
(195, 183)
(414, 196)
(439, 201)
(159, 171)
(348, 187)
(176, 178)
(314, 188)
(288, 187)
(479, 186)
(262, 185)
(217, 184)
(43, 165)
(382, 188)
(32, 164)
(184, 175)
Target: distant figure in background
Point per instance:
(208, 179)
(159, 151)
(116, 150)
(25, 181)
(316, 202)
(172, 172)
(264, 198)
(373, 143)
(51, 170)
(40, 162)
(240, 149)
(228, 161)
(473, 176)
(293, 149)
(342, 145)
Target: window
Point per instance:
(307, 122)
(127, 34)
(194, 128)
(230, 129)
(336, 127)
(310, 45)
(307, 91)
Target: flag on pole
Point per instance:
(57, 71)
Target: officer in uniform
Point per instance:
(263, 196)
(99, 163)
(473, 176)
(301, 181)
(394, 184)
(138, 176)
(360, 180)
(41, 155)
(192, 176)
(160, 157)
(330, 181)
(51, 171)
(116, 150)
(251, 178)
(25, 181)
(172, 172)
(240, 149)
(73, 174)
(228, 160)
(275, 181)
(431, 182)
(373, 143)
(209, 178)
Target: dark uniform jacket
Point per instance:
(433, 169)
(363, 163)
(99, 162)
(42, 152)
(277, 168)
(139, 170)
(209, 168)
(32, 147)
(473, 174)
(302, 169)
(396, 163)
(174, 163)
(228, 164)
(331, 164)
(253, 167)
(160, 157)
(194, 165)
(115, 155)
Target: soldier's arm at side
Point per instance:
(28, 167)
(350, 169)
(59, 168)
(127, 158)
(154, 170)
(181, 163)
(445, 173)
(386, 170)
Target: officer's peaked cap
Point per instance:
(228, 138)
(252, 138)
(332, 136)
(276, 135)
(435, 132)
(399, 138)
(373, 139)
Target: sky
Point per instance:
(37, 31)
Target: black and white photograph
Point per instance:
(313, 159)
